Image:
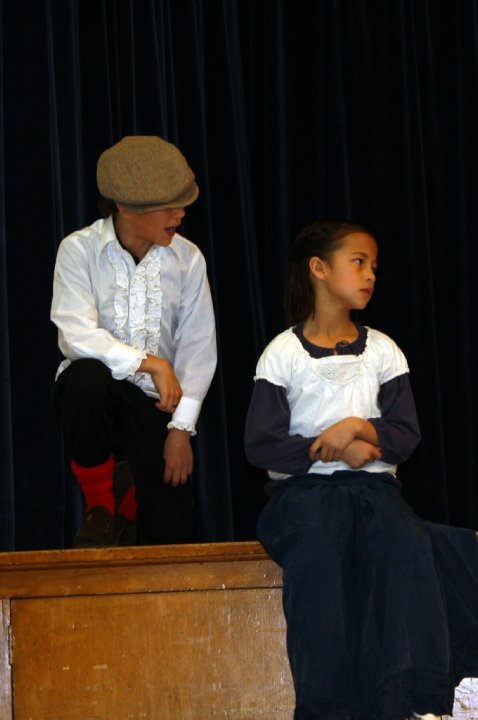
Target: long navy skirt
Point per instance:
(381, 607)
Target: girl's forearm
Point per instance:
(364, 430)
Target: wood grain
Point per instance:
(156, 633)
(5, 669)
(188, 655)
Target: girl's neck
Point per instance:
(328, 331)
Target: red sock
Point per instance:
(128, 504)
(96, 483)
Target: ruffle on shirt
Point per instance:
(138, 306)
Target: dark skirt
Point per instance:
(381, 607)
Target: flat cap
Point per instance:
(146, 173)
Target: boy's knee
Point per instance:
(85, 383)
(86, 375)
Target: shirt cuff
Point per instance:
(124, 361)
(186, 414)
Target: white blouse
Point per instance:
(109, 308)
(320, 392)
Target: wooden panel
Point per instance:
(182, 655)
(5, 670)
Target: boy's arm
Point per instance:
(75, 313)
(195, 340)
(165, 382)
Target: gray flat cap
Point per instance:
(146, 173)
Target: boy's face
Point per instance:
(157, 227)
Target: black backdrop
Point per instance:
(288, 110)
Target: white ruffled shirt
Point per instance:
(109, 308)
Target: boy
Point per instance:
(133, 308)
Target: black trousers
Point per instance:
(98, 413)
(381, 607)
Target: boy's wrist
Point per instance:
(172, 428)
(181, 427)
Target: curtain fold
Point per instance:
(7, 492)
(287, 112)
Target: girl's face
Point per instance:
(349, 273)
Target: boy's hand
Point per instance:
(165, 382)
(178, 457)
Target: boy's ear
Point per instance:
(317, 267)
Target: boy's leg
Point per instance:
(85, 397)
(165, 514)
(93, 408)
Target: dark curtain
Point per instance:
(288, 112)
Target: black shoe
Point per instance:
(100, 529)
(128, 533)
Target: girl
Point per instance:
(381, 607)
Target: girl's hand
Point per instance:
(359, 453)
(330, 445)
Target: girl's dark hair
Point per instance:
(317, 240)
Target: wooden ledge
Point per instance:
(158, 568)
(137, 555)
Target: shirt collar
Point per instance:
(357, 347)
(108, 235)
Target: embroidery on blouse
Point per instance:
(336, 369)
(138, 306)
(340, 373)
